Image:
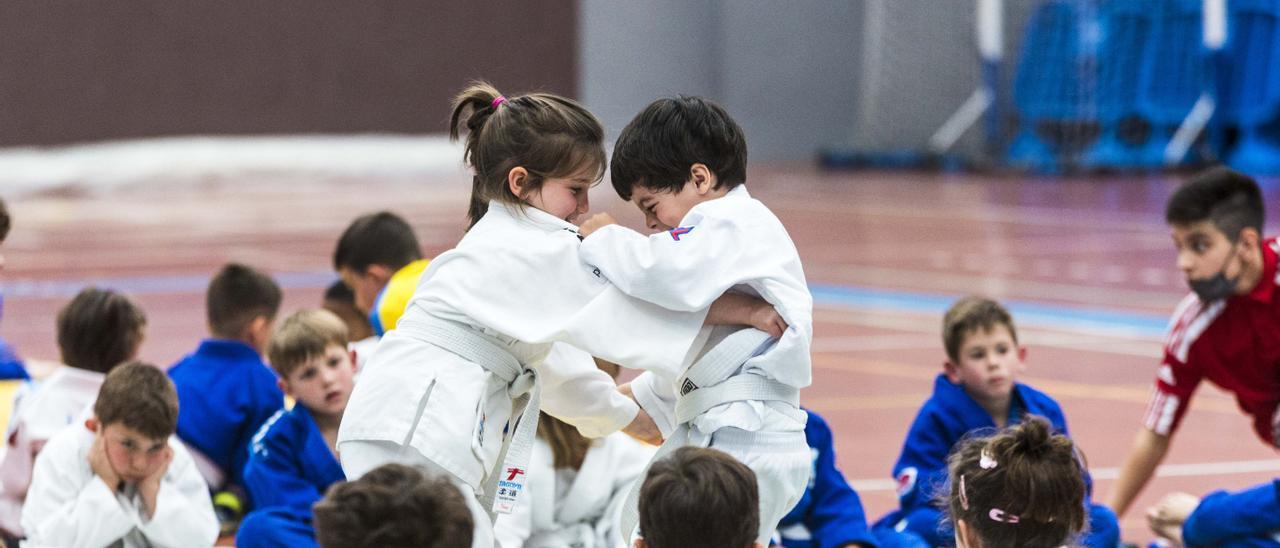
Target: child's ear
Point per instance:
(92, 424)
(380, 273)
(284, 387)
(1022, 356)
(640, 543)
(258, 332)
(516, 179)
(952, 372)
(704, 181)
(354, 367)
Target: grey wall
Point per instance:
(787, 71)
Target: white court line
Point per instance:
(1164, 471)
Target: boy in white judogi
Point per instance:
(682, 161)
(121, 477)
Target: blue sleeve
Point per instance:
(836, 516)
(922, 467)
(274, 477)
(265, 400)
(1223, 516)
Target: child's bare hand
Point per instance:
(644, 429)
(101, 465)
(1168, 515)
(149, 486)
(596, 222)
(766, 318)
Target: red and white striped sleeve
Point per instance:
(1179, 375)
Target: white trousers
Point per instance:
(358, 457)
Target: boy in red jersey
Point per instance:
(1227, 331)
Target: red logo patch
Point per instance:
(513, 472)
(676, 233)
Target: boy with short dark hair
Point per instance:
(227, 391)
(293, 458)
(1224, 331)
(699, 497)
(394, 506)
(340, 300)
(121, 476)
(96, 331)
(682, 162)
(379, 259)
(977, 391)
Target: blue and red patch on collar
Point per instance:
(676, 233)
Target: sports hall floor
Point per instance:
(1085, 264)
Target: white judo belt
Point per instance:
(706, 384)
(507, 479)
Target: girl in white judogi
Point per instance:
(576, 488)
(456, 386)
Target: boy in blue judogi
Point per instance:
(225, 389)
(1248, 518)
(293, 459)
(978, 391)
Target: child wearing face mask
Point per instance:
(978, 391)
(1226, 330)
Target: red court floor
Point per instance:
(1089, 260)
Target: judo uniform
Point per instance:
(225, 393)
(477, 342)
(830, 513)
(733, 243)
(578, 508)
(39, 412)
(1248, 518)
(69, 505)
(290, 467)
(921, 471)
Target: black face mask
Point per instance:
(1217, 286)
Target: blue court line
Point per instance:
(1026, 312)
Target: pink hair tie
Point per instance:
(497, 101)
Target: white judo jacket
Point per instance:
(565, 509)
(730, 243)
(516, 277)
(68, 505)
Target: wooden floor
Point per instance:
(1086, 266)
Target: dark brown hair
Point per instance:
(340, 300)
(699, 497)
(1023, 486)
(548, 135)
(1232, 200)
(967, 316)
(657, 148)
(568, 446)
(393, 506)
(237, 294)
(99, 329)
(302, 336)
(377, 238)
(140, 396)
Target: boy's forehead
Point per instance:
(122, 430)
(1204, 228)
(995, 330)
